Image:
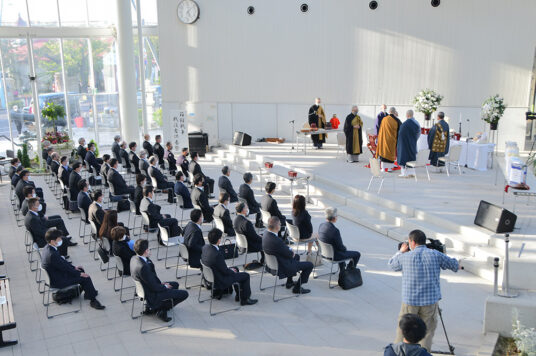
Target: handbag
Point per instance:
(228, 249)
(67, 294)
(350, 277)
(104, 255)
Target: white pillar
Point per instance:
(126, 73)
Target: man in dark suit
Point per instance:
(243, 226)
(64, 171)
(182, 190)
(24, 181)
(133, 157)
(83, 199)
(143, 164)
(29, 192)
(138, 191)
(193, 238)
(160, 297)
(328, 233)
(182, 161)
(115, 178)
(199, 198)
(74, 178)
(225, 184)
(95, 210)
(224, 277)
(161, 180)
(269, 204)
(49, 152)
(155, 218)
(158, 150)
(63, 274)
(81, 150)
(147, 145)
(121, 249)
(55, 164)
(123, 156)
(195, 169)
(221, 211)
(246, 193)
(115, 147)
(92, 159)
(170, 158)
(288, 262)
(15, 163)
(38, 226)
(16, 176)
(105, 168)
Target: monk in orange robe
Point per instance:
(388, 138)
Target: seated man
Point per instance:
(29, 192)
(199, 198)
(64, 171)
(182, 190)
(95, 210)
(158, 150)
(269, 204)
(138, 191)
(413, 329)
(55, 163)
(224, 277)
(328, 233)
(161, 180)
(38, 226)
(225, 184)
(92, 159)
(81, 150)
(168, 154)
(243, 226)
(221, 211)
(289, 263)
(123, 156)
(155, 218)
(121, 249)
(25, 181)
(83, 199)
(115, 147)
(115, 178)
(16, 176)
(105, 168)
(147, 145)
(193, 238)
(160, 297)
(246, 193)
(15, 163)
(182, 161)
(133, 157)
(195, 169)
(74, 178)
(63, 274)
(49, 152)
(143, 164)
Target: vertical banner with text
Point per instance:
(179, 129)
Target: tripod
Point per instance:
(451, 348)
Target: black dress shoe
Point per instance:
(300, 290)
(95, 304)
(249, 301)
(289, 284)
(162, 315)
(70, 243)
(148, 311)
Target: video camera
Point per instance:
(433, 244)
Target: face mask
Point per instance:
(40, 207)
(34, 195)
(59, 243)
(28, 177)
(19, 164)
(88, 187)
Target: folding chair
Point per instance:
(48, 289)
(140, 294)
(377, 173)
(185, 256)
(453, 158)
(327, 254)
(168, 242)
(420, 162)
(208, 274)
(119, 270)
(270, 262)
(294, 235)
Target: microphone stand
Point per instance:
(293, 133)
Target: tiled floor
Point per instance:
(326, 321)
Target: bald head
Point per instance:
(409, 114)
(355, 109)
(384, 107)
(317, 101)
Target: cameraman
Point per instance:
(420, 281)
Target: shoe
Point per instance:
(69, 243)
(95, 304)
(249, 301)
(237, 298)
(259, 226)
(162, 315)
(148, 311)
(289, 284)
(300, 290)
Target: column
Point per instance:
(126, 73)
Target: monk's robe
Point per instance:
(387, 139)
(317, 117)
(354, 137)
(438, 144)
(409, 134)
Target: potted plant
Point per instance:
(427, 101)
(52, 112)
(492, 110)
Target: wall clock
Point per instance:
(188, 11)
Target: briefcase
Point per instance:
(350, 277)
(228, 249)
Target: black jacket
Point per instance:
(12, 171)
(200, 198)
(144, 273)
(20, 186)
(195, 168)
(243, 226)
(138, 197)
(92, 160)
(15, 179)
(143, 166)
(81, 151)
(172, 162)
(149, 148)
(115, 150)
(303, 223)
(213, 258)
(152, 210)
(269, 204)
(223, 213)
(135, 160)
(159, 152)
(328, 233)
(123, 251)
(226, 187)
(120, 186)
(123, 159)
(194, 241)
(161, 181)
(54, 166)
(37, 226)
(64, 174)
(245, 192)
(74, 178)
(273, 245)
(61, 272)
(84, 201)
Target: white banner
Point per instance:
(179, 129)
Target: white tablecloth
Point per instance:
(475, 155)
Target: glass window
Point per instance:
(98, 17)
(104, 64)
(43, 12)
(13, 13)
(73, 13)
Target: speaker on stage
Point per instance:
(495, 218)
(241, 139)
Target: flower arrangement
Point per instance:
(493, 109)
(427, 101)
(525, 339)
(56, 137)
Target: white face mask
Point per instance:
(40, 207)
(34, 195)
(29, 178)
(59, 243)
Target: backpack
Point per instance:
(440, 139)
(67, 294)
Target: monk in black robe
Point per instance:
(354, 136)
(318, 118)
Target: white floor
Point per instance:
(326, 321)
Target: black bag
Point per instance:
(104, 255)
(66, 295)
(350, 277)
(228, 249)
(95, 181)
(123, 205)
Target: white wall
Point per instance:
(262, 71)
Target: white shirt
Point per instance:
(143, 258)
(216, 246)
(199, 226)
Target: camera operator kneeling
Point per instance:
(413, 330)
(420, 282)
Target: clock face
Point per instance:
(188, 11)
